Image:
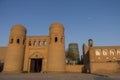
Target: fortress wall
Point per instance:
(104, 59)
(2, 54)
(2, 57)
(105, 68)
(74, 68)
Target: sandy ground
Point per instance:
(58, 76)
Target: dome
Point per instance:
(18, 27)
(56, 25)
(90, 40)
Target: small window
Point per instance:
(50, 40)
(23, 42)
(39, 43)
(34, 43)
(62, 39)
(112, 52)
(56, 39)
(30, 43)
(105, 52)
(18, 41)
(44, 43)
(11, 41)
(118, 51)
(98, 52)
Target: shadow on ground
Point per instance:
(56, 76)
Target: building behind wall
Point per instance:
(73, 54)
(101, 59)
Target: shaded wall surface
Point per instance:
(110, 67)
(74, 68)
(2, 56)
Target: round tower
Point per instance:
(56, 54)
(15, 51)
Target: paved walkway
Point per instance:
(58, 76)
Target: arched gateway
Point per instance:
(36, 61)
(36, 53)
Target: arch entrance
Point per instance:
(36, 65)
(36, 61)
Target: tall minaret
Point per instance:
(15, 51)
(56, 54)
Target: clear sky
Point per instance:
(82, 19)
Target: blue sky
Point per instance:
(82, 19)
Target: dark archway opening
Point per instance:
(36, 65)
(1, 67)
